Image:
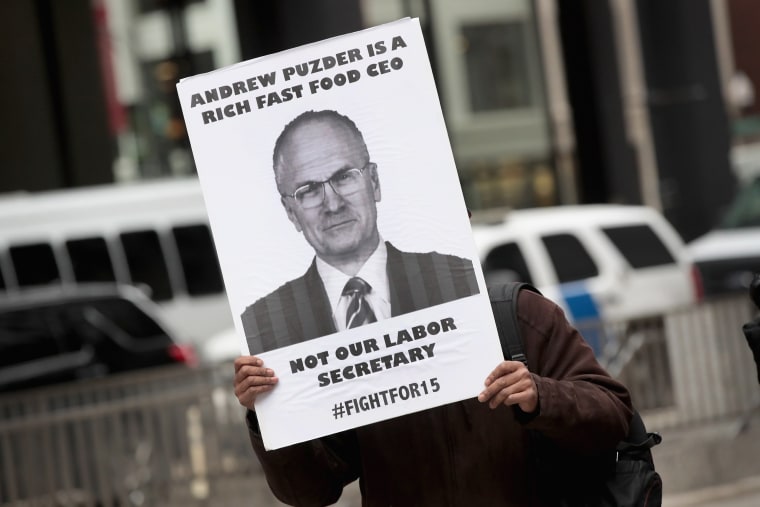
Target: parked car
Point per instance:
(605, 263)
(729, 256)
(53, 335)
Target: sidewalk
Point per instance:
(711, 464)
(742, 493)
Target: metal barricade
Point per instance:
(161, 437)
(688, 367)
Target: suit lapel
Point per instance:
(401, 280)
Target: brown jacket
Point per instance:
(464, 453)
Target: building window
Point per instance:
(497, 68)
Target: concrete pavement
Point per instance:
(741, 493)
(709, 465)
(712, 464)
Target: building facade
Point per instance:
(546, 101)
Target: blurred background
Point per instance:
(546, 102)
(107, 264)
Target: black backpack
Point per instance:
(626, 477)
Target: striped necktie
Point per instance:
(358, 311)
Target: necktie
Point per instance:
(358, 311)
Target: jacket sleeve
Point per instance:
(581, 407)
(311, 473)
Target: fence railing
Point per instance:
(690, 366)
(176, 436)
(165, 437)
(713, 371)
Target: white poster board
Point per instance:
(437, 341)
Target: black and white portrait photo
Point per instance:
(342, 231)
(330, 188)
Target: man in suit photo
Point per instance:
(330, 188)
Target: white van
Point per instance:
(606, 262)
(151, 234)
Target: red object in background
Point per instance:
(184, 354)
(117, 117)
(699, 287)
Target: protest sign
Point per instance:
(326, 162)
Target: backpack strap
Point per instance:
(504, 306)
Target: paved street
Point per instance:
(710, 465)
(742, 493)
(706, 466)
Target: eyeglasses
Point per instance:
(344, 182)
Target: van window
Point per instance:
(35, 264)
(146, 262)
(640, 245)
(504, 259)
(90, 260)
(198, 258)
(571, 260)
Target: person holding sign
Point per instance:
(474, 452)
(329, 188)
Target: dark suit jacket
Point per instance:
(300, 309)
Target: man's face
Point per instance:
(342, 228)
